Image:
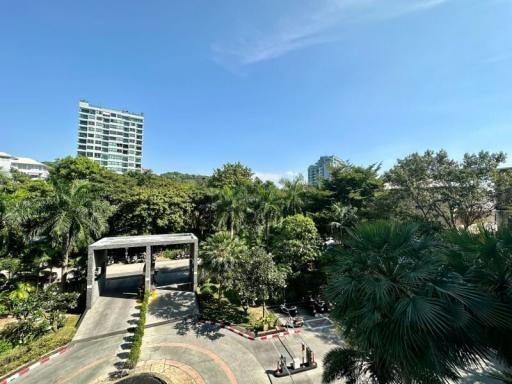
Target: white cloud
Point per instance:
(310, 25)
(275, 177)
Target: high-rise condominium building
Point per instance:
(112, 138)
(321, 170)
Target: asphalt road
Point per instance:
(82, 364)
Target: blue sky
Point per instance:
(273, 84)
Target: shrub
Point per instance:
(5, 345)
(134, 354)
(264, 323)
(23, 331)
(12, 358)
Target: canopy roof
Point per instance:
(144, 240)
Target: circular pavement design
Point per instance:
(143, 378)
(173, 369)
(173, 372)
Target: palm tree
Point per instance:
(406, 318)
(220, 253)
(294, 190)
(485, 258)
(268, 207)
(232, 208)
(72, 216)
(341, 216)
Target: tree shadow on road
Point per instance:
(209, 331)
(170, 305)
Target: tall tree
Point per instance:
(220, 254)
(232, 175)
(434, 187)
(296, 243)
(340, 217)
(257, 277)
(232, 208)
(294, 190)
(153, 209)
(268, 206)
(355, 186)
(484, 257)
(72, 216)
(70, 168)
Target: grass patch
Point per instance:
(23, 354)
(134, 354)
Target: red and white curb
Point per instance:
(250, 337)
(43, 360)
(280, 334)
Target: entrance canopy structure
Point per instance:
(97, 258)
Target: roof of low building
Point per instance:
(26, 160)
(143, 240)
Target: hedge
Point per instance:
(133, 356)
(23, 354)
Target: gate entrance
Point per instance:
(139, 251)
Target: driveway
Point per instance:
(115, 311)
(201, 353)
(83, 363)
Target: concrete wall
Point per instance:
(95, 282)
(97, 258)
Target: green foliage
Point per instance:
(153, 210)
(231, 207)
(296, 243)
(340, 218)
(11, 265)
(407, 315)
(231, 175)
(434, 187)
(196, 180)
(16, 356)
(294, 192)
(220, 254)
(5, 346)
(264, 323)
(22, 291)
(71, 216)
(268, 208)
(354, 186)
(256, 276)
(69, 169)
(23, 332)
(36, 312)
(220, 309)
(485, 259)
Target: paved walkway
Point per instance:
(202, 353)
(109, 314)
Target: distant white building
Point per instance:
(111, 137)
(30, 167)
(321, 170)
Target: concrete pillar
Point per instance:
(195, 252)
(147, 276)
(190, 262)
(102, 283)
(91, 268)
